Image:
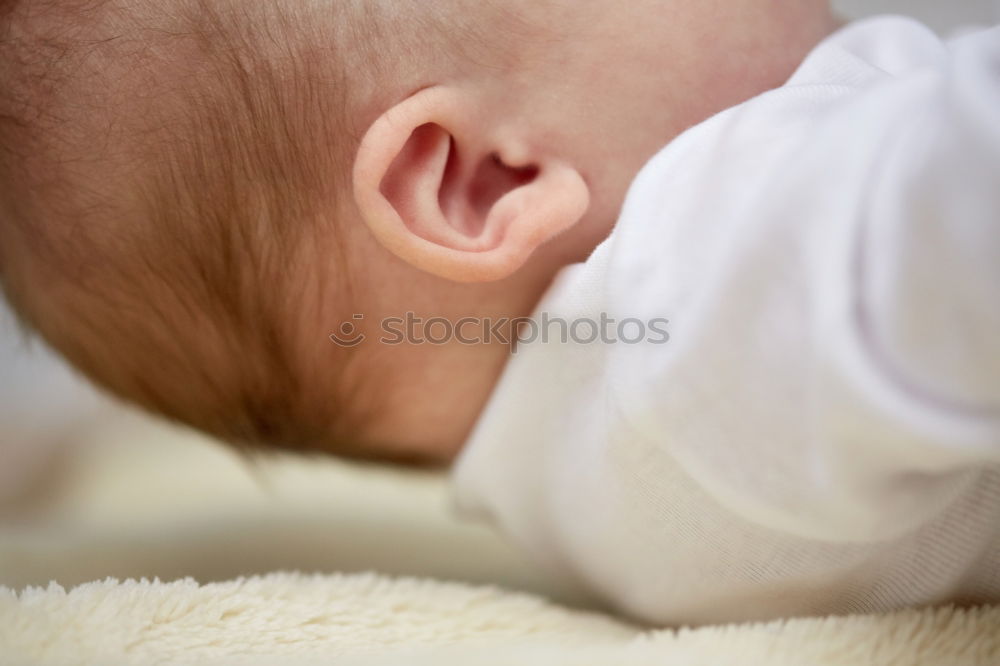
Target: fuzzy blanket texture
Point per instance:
(366, 619)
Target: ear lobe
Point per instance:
(444, 192)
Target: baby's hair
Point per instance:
(164, 249)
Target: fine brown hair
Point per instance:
(160, 234)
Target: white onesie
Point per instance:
(821, 433)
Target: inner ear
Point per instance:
(444, 190)
(413, 180)
(467, 198)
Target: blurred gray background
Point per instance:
(946, 16)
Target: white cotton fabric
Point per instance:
(821, 434)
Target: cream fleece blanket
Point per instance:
(298, 620)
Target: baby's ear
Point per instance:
(459, 194)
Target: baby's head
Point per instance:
(194, 194)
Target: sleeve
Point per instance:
(834, 370)
(928, 258)
(907, 387)
(911, 364)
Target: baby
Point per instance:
(258, 220)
